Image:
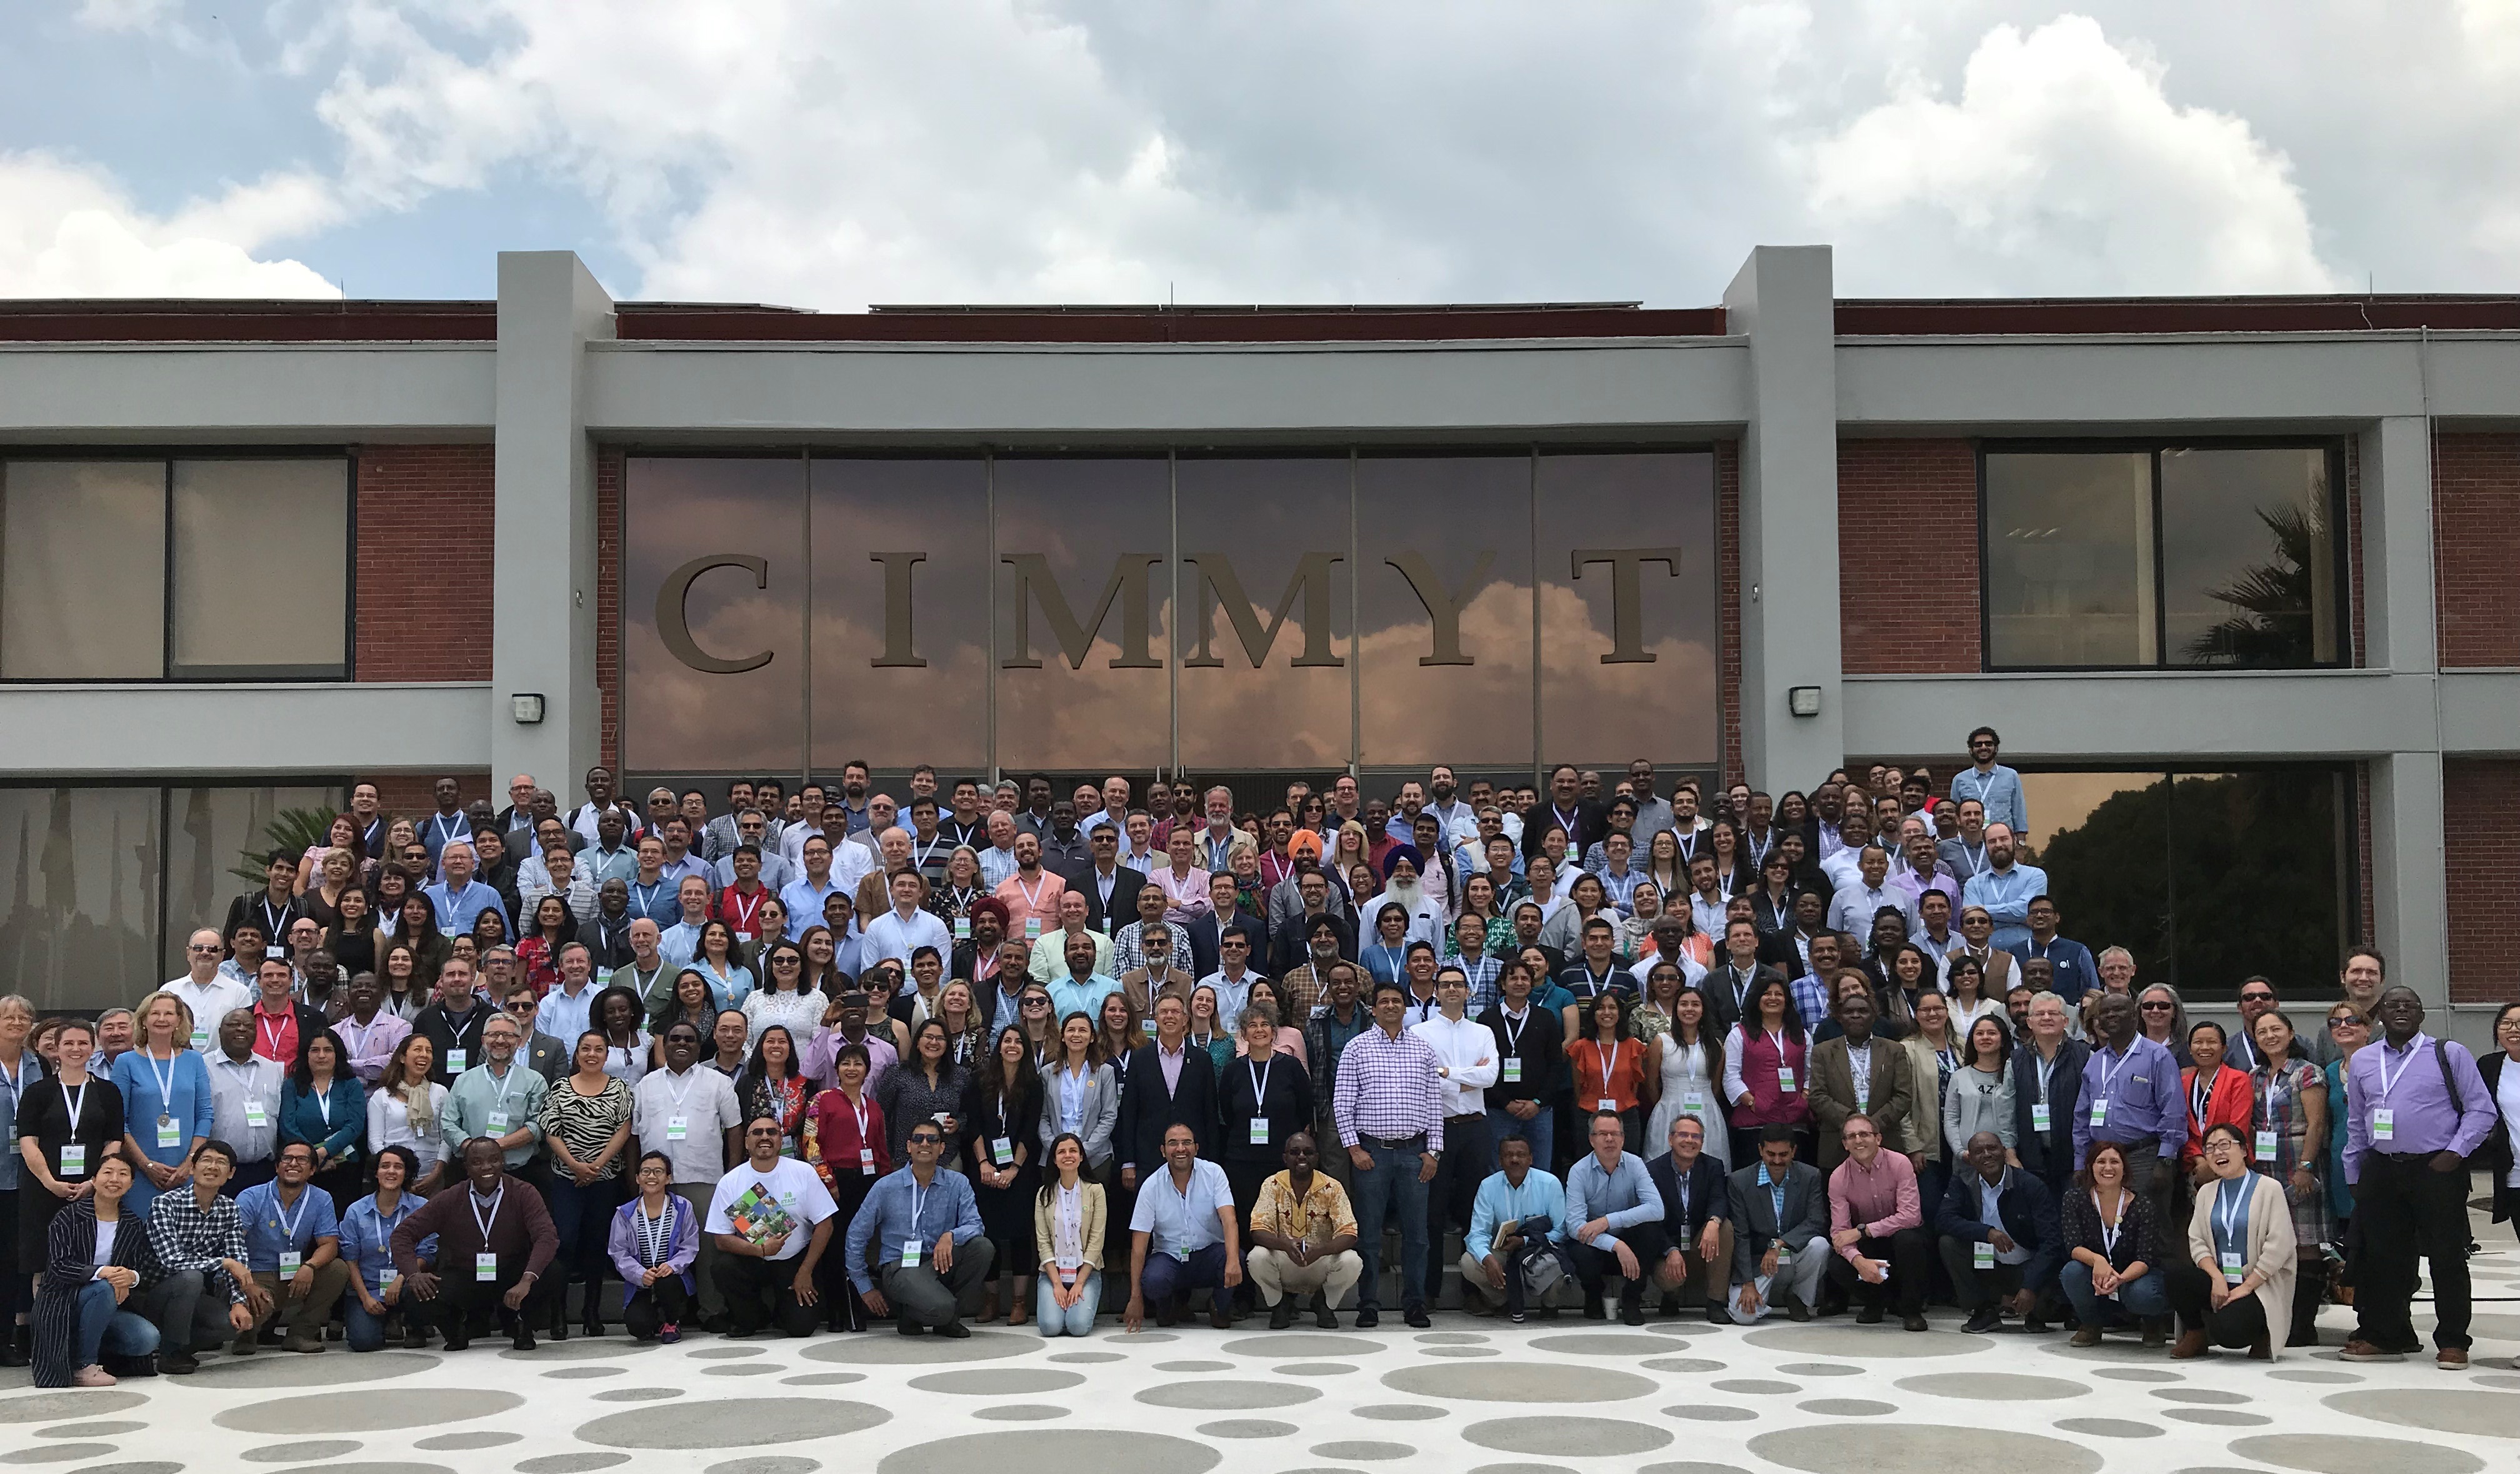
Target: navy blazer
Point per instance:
(1708, 1197)
(2028, 1211)
(1148, 1110)
(2048, 1155)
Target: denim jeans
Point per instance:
(364, 1331)
(108, 1329)
(1538, 1132)
(1391, 1185)
(1075, 1321)
(2148, 1296)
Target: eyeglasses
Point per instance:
(925, 1141)
(2256, 998)
(783, 962)
(525, 1006)
(2155, 1007)
(208, 951)
(1036, 1002)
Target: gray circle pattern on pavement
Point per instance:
(1863, 1344)
(2309, 1374)
(1711, 1413)
(1021, 1412)
(55, 1453)
(717, 1352)
(1692, 1468)
(1362, 1450)
(1247, 1427)
(240, 1372)
(2478, 1415)
(1991, 1387)
(484, 1439)
(1522, 1470)
(640, 1394)
(1568, 1437)
(571, 1463)
(1757, 1387)
(107, 1429)
(1815, 1369)
(1847, 1408)
(602, 1348)
(2108, 1427)
(1087, 1358)
(2136, 1374)
(997, 1381)
(2345, 1453)
(1315, 1369)
(1400, 1412)
(822, 1380)
(1190, 1366)
(885, 1348)
(735, 1423)
(1449, 1338)
(743, 1369)
(1291, 1346)
(1055, 1451)
(144, 1466)
(1681, 1365)
(2204, 1396)
(307, 1451)
(1519, 1382)
(1459, 1351)
(1922, 1449)
(2217, 1418)
(1226, 1396)
(1600, 1344)
(53, 1406)
(412, 1407)
(583, 1374)
(767, 1463)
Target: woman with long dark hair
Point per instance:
(324, 1105)
(1610, 1066)
(1069, 1216)
(772, 1084)
(1684, 1070)
(1003, 1103)
(848, 1144)
(1765, 1077)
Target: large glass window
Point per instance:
(2206, 878)
(209, 568)
(2161, 556)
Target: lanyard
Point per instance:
(1759, 852)
(646, 895)
(446, 827)
(1567, 820)
(2109, 1232)
(271, 918)
(1032, 897)
(1260, 1085)
(739, 911)
(165, 1082)
(507, 1084)
(16, 1083)
(73, 1104)
(2388, 1081)
(324, 1105)
(857, 1108)
(288, 1226)
(919, 857)
(654, 1233)
(1610, 1065)
(918, 1207)
(1513, 1028)
(2200, 1096)
(271, 1035)
(497, 1200)
(2109, 1073)
(689, 1081)
(1390, 957)
(2047, 1067)
(2228, 1206)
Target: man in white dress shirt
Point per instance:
(1466, 1051)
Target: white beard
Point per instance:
(1411, 895)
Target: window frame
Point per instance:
(167, 457)
(2349, 655)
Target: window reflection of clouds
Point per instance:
(1265, 515)
(1080, 515)
(677, 719)
(1594, 713)
(938, 712)
(1448, 509)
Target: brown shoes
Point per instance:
(2191, 1345)
(2451, 1358)
(2088, 1336)
(2262, 1349)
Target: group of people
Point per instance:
(822, 1062)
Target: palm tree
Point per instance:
(2274, 602)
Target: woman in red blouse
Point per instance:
(2217, 1095)
(844, 1144)
(1611, 1067)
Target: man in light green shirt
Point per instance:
(499, 1099)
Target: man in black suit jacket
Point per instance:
(1737, 976)
(1110, 888)
(1564, 807)
(1225, 914)
(1149, 1106)
(1697, 1219)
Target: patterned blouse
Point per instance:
(586, 1124)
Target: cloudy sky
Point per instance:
(830, 154)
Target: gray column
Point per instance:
(1783, 301)
(2409, 898)
(542, 637)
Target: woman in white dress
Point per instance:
(1688, 1068)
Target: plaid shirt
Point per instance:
(1128, 954)
(1482, 974)
(185, 1235)
(1811, 1000)
(1388, 1088)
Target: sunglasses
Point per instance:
(1036, 1002)
(926, 1140)
(520, 1007)
(2156, 1007)
(2256, 998)
(784, 961)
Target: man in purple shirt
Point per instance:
(2131, 1097)
(1389, 1107)
(2416, 1109)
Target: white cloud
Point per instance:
(69, 230)
(2065, 151)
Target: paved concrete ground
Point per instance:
(1471, 1395)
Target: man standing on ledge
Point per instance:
(1389, 1105)
(2417, 1108)
(1996, 787)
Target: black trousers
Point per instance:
(2404, 1211)
(662, 1304)
(462, 1303)
(1972, 1287)
(763, 1291)
(1468, 1151)
(1593, 1266)
(1909, 1262)
(2241, 1322)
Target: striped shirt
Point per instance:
(1388, 1088)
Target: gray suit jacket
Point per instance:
(1100, 1112)
(1754, 1216)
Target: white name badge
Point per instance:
(2384, 1123)
(454, 1062)
(1785, 1078)
(290, 1260)
(387, 1277)
(1784, 1255)
(2233, 1269)
(962, 928)
(866, 1160)
(253, 1115)
(1692, 1102)
(74, 1159)
(201, 1039)
(1032, 928)
(1259, 1131)
(2101, 1111)
(169, 1134)
(1606, 1103)
(1982, 1256)
(910, 1253)
(2038, 1117)
(1513, 1072)
(485, 1267)
(677, 1127)
(2266, 1146)
(498, 1123)
(1001, 1148)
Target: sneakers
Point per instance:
(2087, 1336)
(2451, 1358)
(669, 1333)
(92, 1377)
(2359, 1350)
(1367, 1316)
(178, 1364)
(1985, 1321)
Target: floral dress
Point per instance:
(2279, 1097)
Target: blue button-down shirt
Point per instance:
(270, 1228)
(1181, 1220)
(456, 910)
(367, 1238)
(2000, 791)
(1539, 1205)
(1625, 1195)
(2007, 896)
(2145, 1097)
(886, 1220)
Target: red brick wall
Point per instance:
(1908, 556)
(2483, 875)
(607, 601)
(424, 562)
(1727, 614)
(2476, 520)
(412, 794)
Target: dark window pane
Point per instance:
(2104, 838)
(1444, 570)
(1272, 535)
(1076, 691)
(83, 569)
(2254, 879)
(215, 834)
(878, 610)
(712, 681)
(261, 584)
(2068, 560)
(1627, 609)
(80, 868)
(2248, 563)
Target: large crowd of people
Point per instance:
(824, 1059)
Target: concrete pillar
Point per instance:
(542, 638)
(2410, 899)
(1784, 302)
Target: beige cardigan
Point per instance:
(2274, 1252)
(1091, 1222)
